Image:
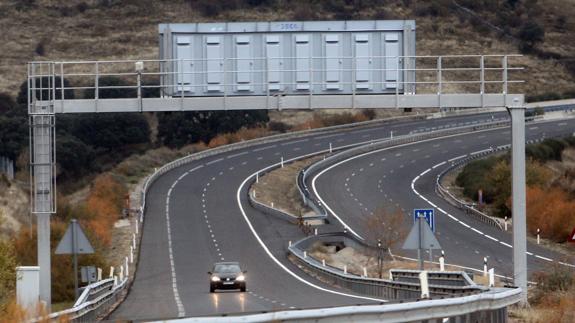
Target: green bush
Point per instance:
(473, 177)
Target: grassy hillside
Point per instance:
(127, 29)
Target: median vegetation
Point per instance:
(550, 186)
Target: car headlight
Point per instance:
(241, 278)
(215, 278)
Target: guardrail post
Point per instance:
(491, 277)
(127, 271)
(424, 284)
(305, 254)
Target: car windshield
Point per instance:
(227, 268)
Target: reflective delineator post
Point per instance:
(491, 277)
(538, 235)
(484, 266)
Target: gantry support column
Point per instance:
(518, 198)
(43, 190)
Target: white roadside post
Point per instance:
(484, 266)
(99, 274)
(330, 148)
(111, 271)
(131, 254)
(282, 162)
(491, 277)
(345, 269)
(538, 235)
(364, 272)
(442, 261)
(424, 284)
(505, 223)
(323, 262)
(127, 271)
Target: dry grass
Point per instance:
(128, 30)
(279, 187)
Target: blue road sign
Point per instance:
(427, 214)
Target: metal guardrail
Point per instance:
(269, 139)
(92, 304)
(382, 288)
(485, 307)
(470, 208)
(311, 199)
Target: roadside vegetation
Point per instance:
(550, 186)
(100, 158)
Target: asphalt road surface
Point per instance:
(193, 220)
(353, 189)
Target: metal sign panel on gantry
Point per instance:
(296, 57)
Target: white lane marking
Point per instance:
(466, 225)
(480, 151)
(263, 245)
(328, 136)
(456, 158)
(214, 161)
(544, 258)
(562, 124)
(438, 165)
(260, 158)
(293, 142)
(177, 299)
(533, 128)
(492, 238)
(264, 148)
(481, 233)
(238, 154)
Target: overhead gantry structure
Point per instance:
(318, 66)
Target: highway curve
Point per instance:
(354, 188)
(193, 220)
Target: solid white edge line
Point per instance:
(262, 244)
(468, 226)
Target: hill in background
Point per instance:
(127, 29)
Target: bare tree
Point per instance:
(384, 230)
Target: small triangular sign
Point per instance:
(428, 239)
(83, 245)
(572, 239)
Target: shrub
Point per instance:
(279, 126)
(7, 273)
(551, 211)
(531, 33)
